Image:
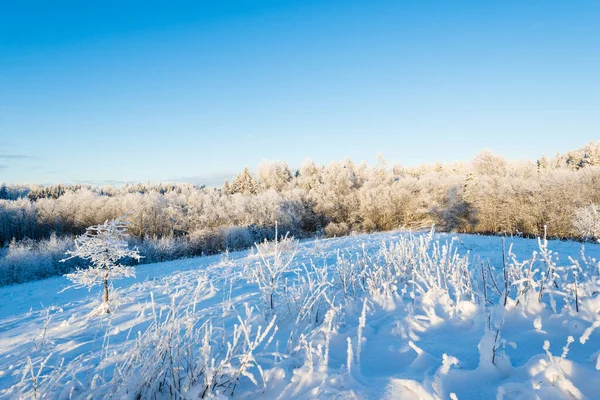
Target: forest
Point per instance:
(488, 195)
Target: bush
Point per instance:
(163, 249)
(587, 222)
(206, 241)
(28, 260)
(237, 238)
(335, 230)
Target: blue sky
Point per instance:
(118, 91)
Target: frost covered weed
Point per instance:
(181, 355)
(435, 275)
(319, 247)
(31, 378)
(362, 322)
(417, 268)
(306, 298)
(280, 246)
(274, 261)
(550, 373)
(43, 339)
(327, 314)
(184, 357)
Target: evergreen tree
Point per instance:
(244, 183)
(226, 189)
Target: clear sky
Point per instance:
(112, 91)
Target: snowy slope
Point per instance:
(427, 325)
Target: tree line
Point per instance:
(486, 195)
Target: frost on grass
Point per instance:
(391, 316)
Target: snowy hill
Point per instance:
(389, 315)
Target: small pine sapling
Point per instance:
(103, 246)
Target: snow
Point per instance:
(387, 315)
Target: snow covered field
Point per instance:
(389, 315)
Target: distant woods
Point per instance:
(487, 195)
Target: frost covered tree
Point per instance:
(244, 183)
(273, 175)
(309, 176)
(103, 246)
(488, 195)
(3, 192)
(226, 187)
(587, 222)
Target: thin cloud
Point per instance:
(3, 166)
(215, 179)
(15, 157)
(110, 182)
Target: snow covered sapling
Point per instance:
(103, 245)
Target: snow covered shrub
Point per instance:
(22, 263)
(279, 245)
(158, 249)
(336, 230)
(30, 260)
(237, 238)
(206, 241)
(457, 214)
(587, 222)
(104, 246)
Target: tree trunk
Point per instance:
(106, 308)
